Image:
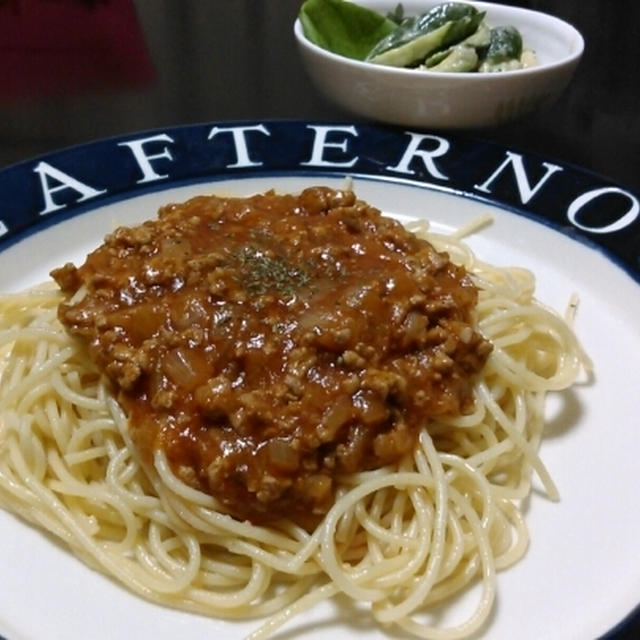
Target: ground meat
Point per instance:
(269, 344)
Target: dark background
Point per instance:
(72, 71)
(237, 59)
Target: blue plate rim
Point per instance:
(465, 162)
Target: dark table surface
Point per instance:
(201, 61)
(110, 67)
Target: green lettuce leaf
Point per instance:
(343, 27)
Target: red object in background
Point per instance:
(62, 46)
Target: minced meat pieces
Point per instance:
(268, 344)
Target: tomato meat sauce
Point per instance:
(270, 344)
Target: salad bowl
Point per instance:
(419, 97)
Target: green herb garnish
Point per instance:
(261, 272)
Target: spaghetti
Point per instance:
(403, 537)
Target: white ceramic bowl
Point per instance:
(450, 100)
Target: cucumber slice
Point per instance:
(460, 58)
(479, 40)
(415, 38)
(413, 51)
(505, 45)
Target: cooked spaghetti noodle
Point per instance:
(402, 538)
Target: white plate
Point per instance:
(581, 574)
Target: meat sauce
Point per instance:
(269, 344)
